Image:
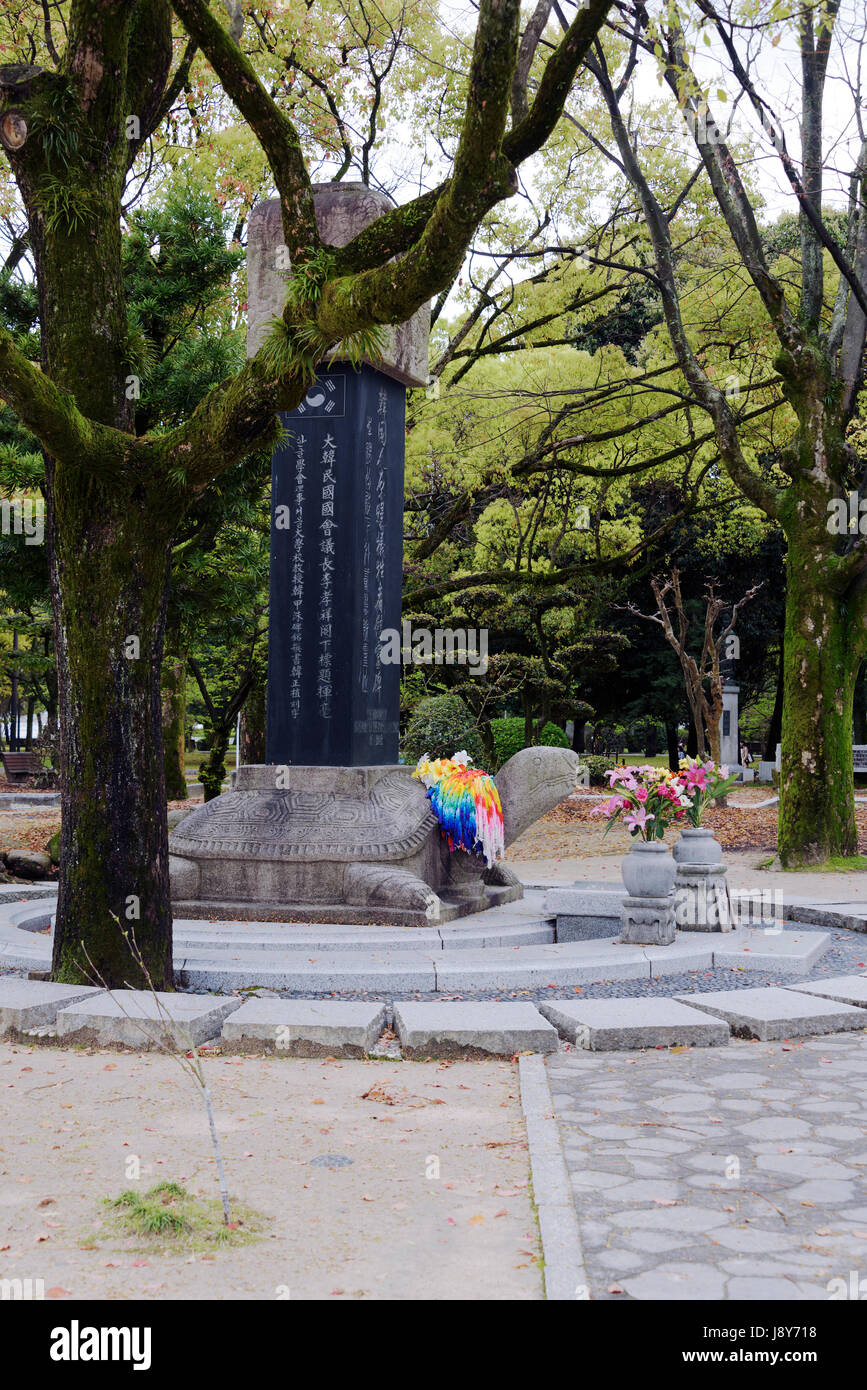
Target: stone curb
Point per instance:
(565, 1273)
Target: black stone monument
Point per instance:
(336, 572)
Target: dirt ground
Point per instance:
(435, 1203)
(572, 830)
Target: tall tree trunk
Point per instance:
(253, 725)
(859, 712)
(109, 586)
(213, 772)
(671, 744)
(174, 716)
(714, 737)
(692, 748)
(817, 805)
(775, 728)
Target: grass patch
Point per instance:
(854, 864)
(169, 1217)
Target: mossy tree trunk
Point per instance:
(824, 646)
(174, 716)
(109, 594)
(212, 773)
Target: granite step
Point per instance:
(140, 1020)
(774, 1013)
(26, 1005)
(846, 989)
(304, 1027)
(613, 1025)
(471, 1029)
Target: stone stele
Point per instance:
(344, 844)
(349, 844)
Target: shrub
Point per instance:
(597, 765)
(441, 725)
(509, 738)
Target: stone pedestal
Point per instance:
(648, 921)
(349, 844)
(701, 898)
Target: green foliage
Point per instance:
(178, 265)
(508, 735)
(56, 121)
(441, 725)
(597, 765)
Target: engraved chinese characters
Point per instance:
(336, 568)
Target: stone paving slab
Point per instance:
(846, 913)
(579, 901)
(533, 932)
(776, 1013)
(192, 938)
(722, 1173)
(304, 1027)
(134, 1018)
(846, 989)
(344, 970)
(609, 1025)
(29, 1004)
(535, 967)
(468, 1029)
(197, 942)
(22, 955)
(688, 952)
(755, 949)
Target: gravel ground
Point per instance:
(847, 956)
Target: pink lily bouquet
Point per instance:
(647, 799)
(703, 782)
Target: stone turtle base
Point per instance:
(341, 914)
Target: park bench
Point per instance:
(19, 766)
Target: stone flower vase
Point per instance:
(701, 893)
(697, 845)
(649, 870)
(647, 916)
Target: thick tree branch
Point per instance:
(395, 232)
(273, 129)
(51, 413)
(526, 53)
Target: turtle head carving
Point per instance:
(533, 782)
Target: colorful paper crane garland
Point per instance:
(466, 803)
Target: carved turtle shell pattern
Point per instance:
(390, 823)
